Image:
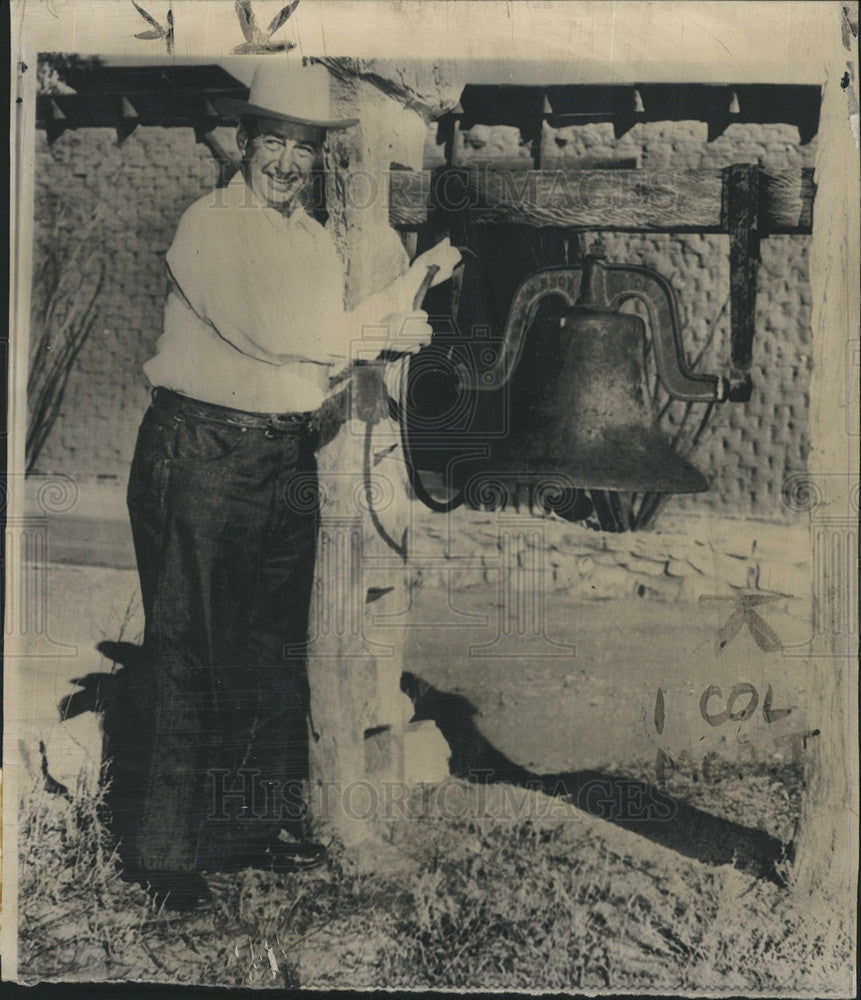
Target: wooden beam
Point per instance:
(599, 199)
(634, 200)
(786, 201)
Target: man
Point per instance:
(254, 329)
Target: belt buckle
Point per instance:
(277, 424)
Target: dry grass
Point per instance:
(78, 919)
(526, 913)
(74, 908)
(760, 938)
(486, 904)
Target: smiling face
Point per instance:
(277, 158)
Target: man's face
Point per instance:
(278, 158)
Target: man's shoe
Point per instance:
(296, 856)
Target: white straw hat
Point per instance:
(289, 92)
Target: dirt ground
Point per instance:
(553, 711)
(520, 877)
(582, 695)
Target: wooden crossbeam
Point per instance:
(658, 201)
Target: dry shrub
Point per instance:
(65, 297)
(512, 915)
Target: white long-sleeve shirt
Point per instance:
(254, 315)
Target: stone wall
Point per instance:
(689, 557)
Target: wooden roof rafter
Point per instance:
(625, 105)
(122, 97)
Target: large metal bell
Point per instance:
(580, 406)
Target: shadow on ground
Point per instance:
(643, 808)
(121, 697)
(646, 809)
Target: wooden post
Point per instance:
(359, 715)
(827, 839)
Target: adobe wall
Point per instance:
(133, 195)
(130, 197)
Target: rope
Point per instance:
(399, 412)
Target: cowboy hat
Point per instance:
(288, 92)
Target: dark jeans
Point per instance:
(224, 513)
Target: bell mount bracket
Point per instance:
(741, 183)
(605, 286)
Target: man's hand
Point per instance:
(407, 331)
(443, 255)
